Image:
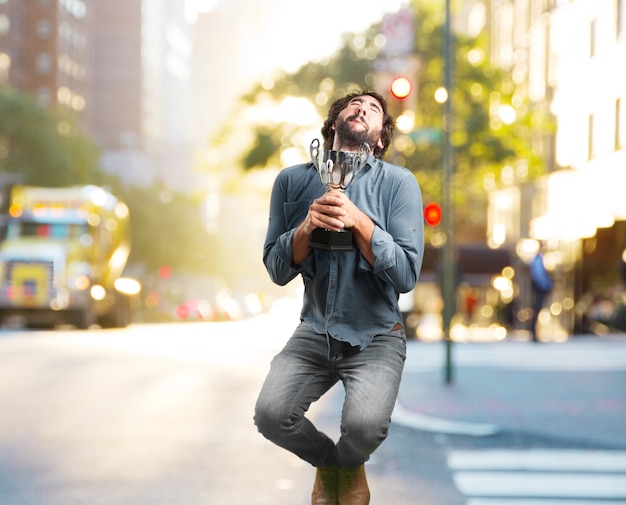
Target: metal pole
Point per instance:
(448, 270)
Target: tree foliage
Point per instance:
(167, 230)
(484, 145)
(265, 145)
(41, 146)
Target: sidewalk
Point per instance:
(575, 390)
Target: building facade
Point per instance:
(45, 50)
(123, 68)
(565, 57)
(141, 78)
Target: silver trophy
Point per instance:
(337, 170)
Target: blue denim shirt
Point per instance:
(344, 296)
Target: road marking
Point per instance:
(500, 501)
(554, 485)
(539, 460)
(539, 476)
(414, 420)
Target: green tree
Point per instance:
(42, 146)
(167, 229)
(483, 142)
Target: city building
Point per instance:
(45, 50)
(565, 57)
(141, 79)
(122, 66)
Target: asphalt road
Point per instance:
(162, 414)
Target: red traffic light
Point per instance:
(165, 272)
(401, 87)
(432, 214)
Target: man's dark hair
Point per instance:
(338, 105)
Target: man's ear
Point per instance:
(380, 144)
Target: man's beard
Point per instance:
(351, 140)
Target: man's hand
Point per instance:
(333, 211)
(326, 212)
(350, 215)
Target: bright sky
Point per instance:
(297, 31)
(279, 34)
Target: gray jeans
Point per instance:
(302, 372)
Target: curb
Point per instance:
(414, 420)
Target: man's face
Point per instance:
(361, 121)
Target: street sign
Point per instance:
(399, 31)
(427, 135)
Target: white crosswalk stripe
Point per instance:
(539, 476)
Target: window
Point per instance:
(590, 146)
(549, 5)
(77, 8)
(44, 63)
(592, 38)
(44, 29)
(44, 95)
(5, 24)
(618, 124)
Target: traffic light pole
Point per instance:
(448, 270)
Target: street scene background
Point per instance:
(139, 142)
(163, 414)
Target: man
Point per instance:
(542, 284)
(351, 327)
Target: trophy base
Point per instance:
(332, 240)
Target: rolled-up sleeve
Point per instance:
(283, 219)
(399, 249)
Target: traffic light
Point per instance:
(432, 214)
(165, 272)
(401, 87)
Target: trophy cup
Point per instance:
(336, 171)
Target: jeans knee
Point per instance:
(264, 419)
(270, 419)
(366, 434)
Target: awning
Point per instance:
(470, 259)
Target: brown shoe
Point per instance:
(353, 488)
(325, 486)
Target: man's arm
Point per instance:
(300, 242)
(363, 229)
(394, 254)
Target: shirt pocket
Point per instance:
(295, 212)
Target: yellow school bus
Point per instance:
(63, 258)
